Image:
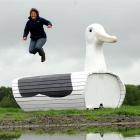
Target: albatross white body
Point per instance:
(95, 38)
(102, 87)
(91, 88)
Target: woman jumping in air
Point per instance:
(38, 36)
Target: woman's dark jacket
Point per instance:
(35, 27)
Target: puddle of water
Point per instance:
(79, 136)
(89, 136)
(91, 133)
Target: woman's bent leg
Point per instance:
(32, 48)
(40, 43)
(39, 46)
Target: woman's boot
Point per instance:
(42, 54)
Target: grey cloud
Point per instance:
(66, 42)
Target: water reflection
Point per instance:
(52, 137)
(102, 136)
(119, 133)
(89, 136)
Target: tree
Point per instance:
(6, 98)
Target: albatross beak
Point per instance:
(104, 37)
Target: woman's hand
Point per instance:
(49, 26)
(24, 38)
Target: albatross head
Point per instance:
(96, 33)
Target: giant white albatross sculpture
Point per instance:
(93, 87)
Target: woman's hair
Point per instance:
(34, 10)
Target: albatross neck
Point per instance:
(95, 61)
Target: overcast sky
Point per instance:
(65, 48)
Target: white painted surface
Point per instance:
(103, 88)
(51, 100)
(95, 61)
(41, 102)
(74, 93)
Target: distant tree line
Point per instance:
(132, 96)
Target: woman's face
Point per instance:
(33, 15)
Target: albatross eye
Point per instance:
(90, 30)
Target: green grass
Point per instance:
(19, 115)
(93, 114)
(12, 114)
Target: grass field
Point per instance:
(19, 115)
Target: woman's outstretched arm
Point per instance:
(26, 31)
(46, 22)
